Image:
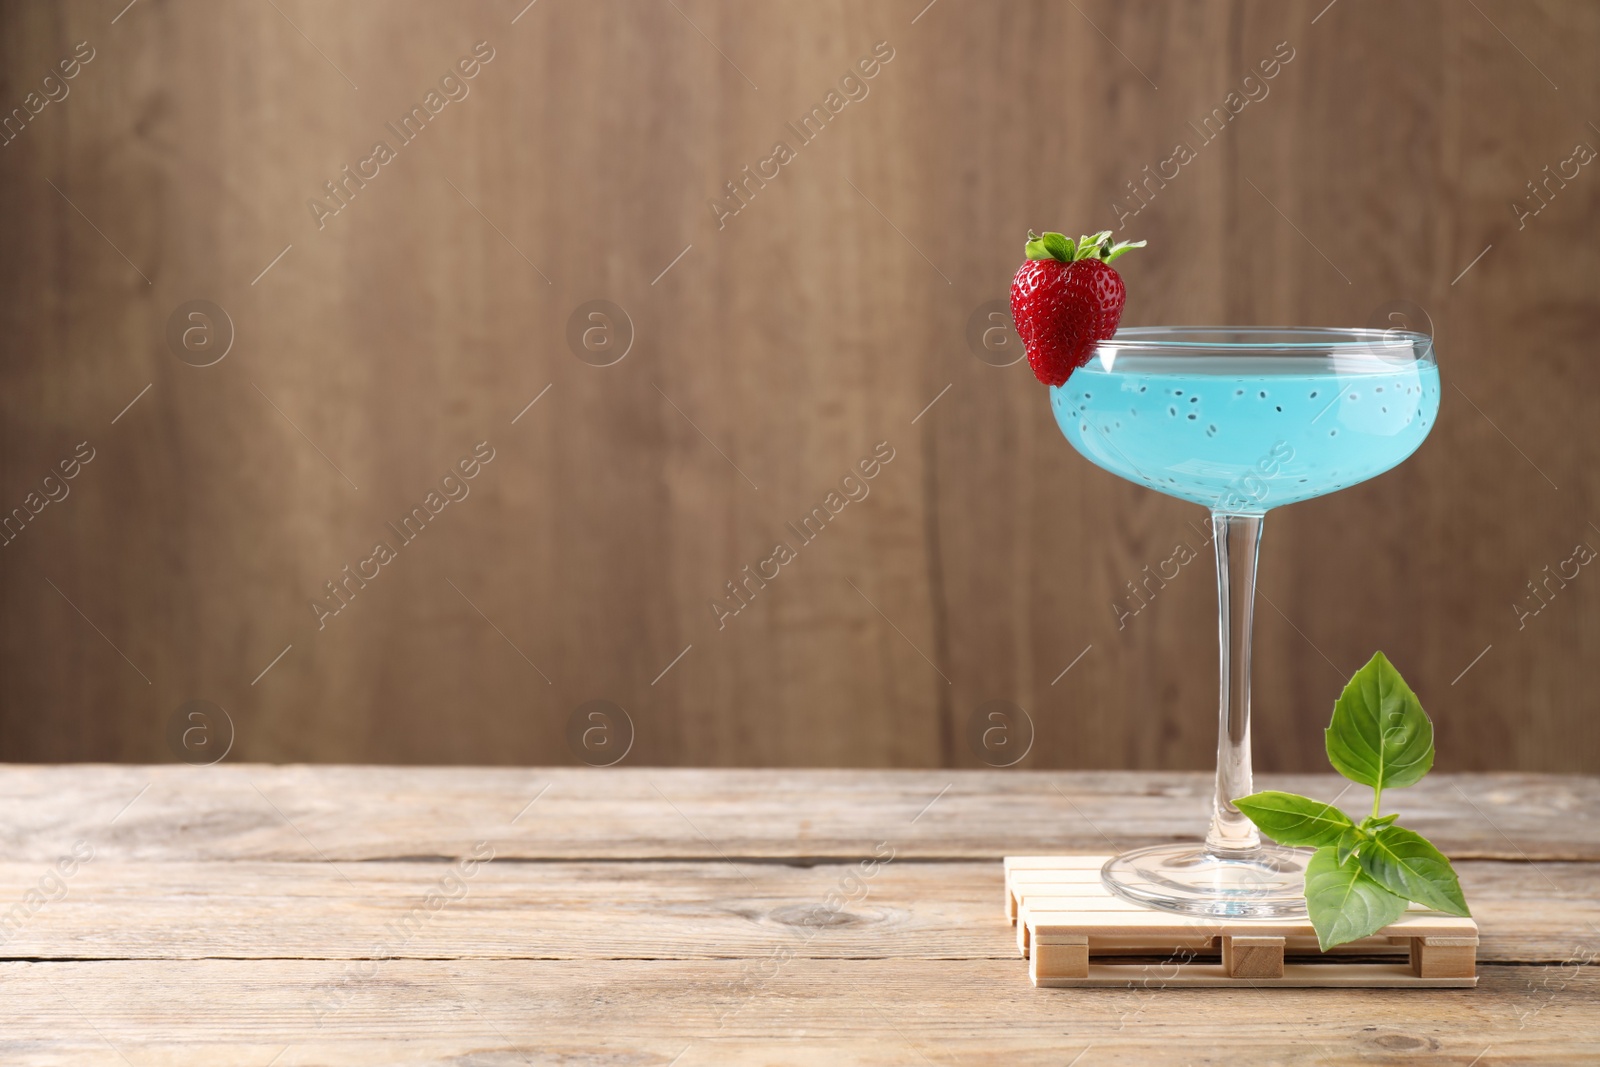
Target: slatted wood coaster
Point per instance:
(1074, 932)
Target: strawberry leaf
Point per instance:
(1063, 249)
(1122, 248)
(1089, 245)
(1059, 246)
(1049, 246)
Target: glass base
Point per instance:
(1267, 882)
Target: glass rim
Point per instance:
(1243, 340)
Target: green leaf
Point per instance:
(1380, 736)
(1294, 820)
(1122, 248)
(1089, 245)
(1348, 843)
(1405, 862)
(1058, 246)
(1370, 823)
(1344, 903)
(1039, 245)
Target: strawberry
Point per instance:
(1066, 299)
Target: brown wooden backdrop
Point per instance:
(771, 351)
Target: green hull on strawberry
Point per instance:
(1066, 299)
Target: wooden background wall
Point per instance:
(771, 351)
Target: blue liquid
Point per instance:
(1245, 434)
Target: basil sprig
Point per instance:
(1363, 874)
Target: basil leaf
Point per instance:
(1405, 862)
(1294, 820)
(1344, 903)
(1379, 736)
(1348, 843)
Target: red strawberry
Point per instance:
(1066, 299)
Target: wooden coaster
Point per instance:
(1074, 932)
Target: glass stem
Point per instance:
(1238, 541)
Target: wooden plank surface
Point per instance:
(806, 1012)
(1378, 164)
(647, 909)
(326, 916)
(362, 813)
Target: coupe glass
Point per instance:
(1242, 420)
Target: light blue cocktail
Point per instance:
(1241, 420)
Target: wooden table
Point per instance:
(299, 915)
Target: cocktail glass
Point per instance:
(1242, 420)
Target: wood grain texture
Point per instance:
(784, 344)
(812, 1012)
(655, 910)
(309, 813)
(173, 944)
(1076, 933)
